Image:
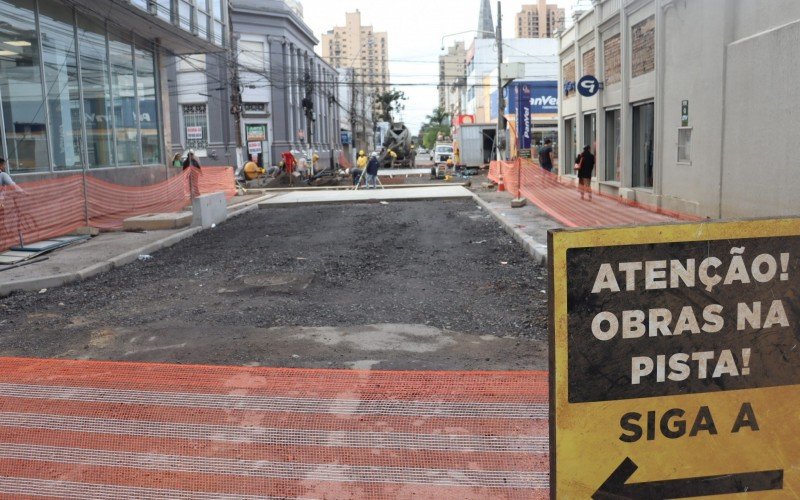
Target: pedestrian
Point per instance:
(546, 155)
(176, 161)
(6, 184)
(372, 171)
(191, 160)
(584, 164)
(302, 166)
(361, 165)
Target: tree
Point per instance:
(438, 117)
(438, 123)
(389, 101)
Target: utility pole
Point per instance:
(236, 96)
(353, 114)
(500, 101)
(308, 107)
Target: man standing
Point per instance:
(546, 155)
(585, 165)
(191, 160)
(361, 164)
(372, 171)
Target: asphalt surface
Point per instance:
(413, 285)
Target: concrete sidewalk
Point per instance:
(103, 253)
(366, 196)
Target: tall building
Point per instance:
(485, 22)
(452, 69)
(361, 48)
(539, 20)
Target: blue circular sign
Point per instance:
(588, 86)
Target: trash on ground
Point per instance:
(145, 257)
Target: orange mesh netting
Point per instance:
(77, 429)
(54, 207)
(560, 198)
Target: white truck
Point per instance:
(442, 152)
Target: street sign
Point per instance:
(588, 86)
(675, 360)
(684, 113)
(256, 132)
(194, 133)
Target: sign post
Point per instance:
(675, 360)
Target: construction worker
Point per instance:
(361, 165)
(393, 157)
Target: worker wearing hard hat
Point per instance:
(361, 165)
(393, 157)
(252, 170)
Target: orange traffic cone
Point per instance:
(501, 186)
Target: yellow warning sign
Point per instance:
(675, 360)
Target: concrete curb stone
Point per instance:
(536, 249)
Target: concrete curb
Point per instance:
(57, 280)
(536, 249)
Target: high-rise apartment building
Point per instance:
(540, 20)
(452, 69)
(360, 48)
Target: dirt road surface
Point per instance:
(420, 285)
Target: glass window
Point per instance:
(216, 7)
(142, 4)
(185, 15)
(251, 55)
(219, 33)
(96, 93)
(126, 127)
(164, 9)
(61, 80)
(590, 131)
(571, 145)
(203, 27)
(21, 88)
(613, 136)
(148, 106)
(643, 145)
(195, 127)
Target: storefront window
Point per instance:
(126, 128)
(96, 93)
(61, 82)
(643, 145)
(571, 145)
(148, 106)
(613, 136)
(24, 115)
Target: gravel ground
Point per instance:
(279, 286)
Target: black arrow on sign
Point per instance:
(617, 488)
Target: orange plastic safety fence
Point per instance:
(562, 199)
(77, 429)
(40, 210)
(49, 208)
(509, 172)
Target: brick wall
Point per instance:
(612, 60)
(643, 56)
(588, 62)
(569, 76)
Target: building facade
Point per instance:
(682, 121)
(361, 48)
(84, 84)
(452, 70)
(540, 20)
(276, 68)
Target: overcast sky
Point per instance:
(415, 29)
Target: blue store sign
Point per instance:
(588, 86)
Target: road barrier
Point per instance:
(53, 207)
(78, 429)
(560, 198)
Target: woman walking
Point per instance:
(584, 165)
